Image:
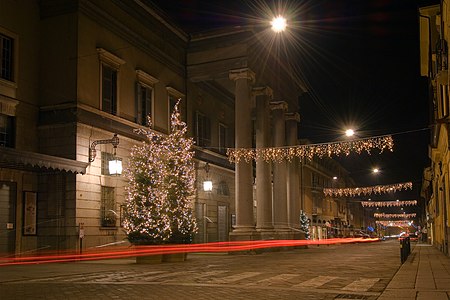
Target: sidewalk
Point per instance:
(424, 276)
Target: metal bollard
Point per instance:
(405, 249)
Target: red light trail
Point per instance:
(132, 251)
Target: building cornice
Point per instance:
(99, 15)
(278, 105)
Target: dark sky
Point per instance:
(360, 61)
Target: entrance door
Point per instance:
(201, 236)
(222, 223)
(7, 218)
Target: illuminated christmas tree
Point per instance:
(161, 187)
(180, 180)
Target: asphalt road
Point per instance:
(352, 271)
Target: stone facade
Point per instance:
(85, 70)
(434, 65)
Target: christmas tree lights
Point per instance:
(161, 186)
(279, 154)
(180, 180)
(358, 191)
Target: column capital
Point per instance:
(244, 73)
(263, 91)
(274, 105)
(292, 116)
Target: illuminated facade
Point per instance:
(77, 72)
(434, 65)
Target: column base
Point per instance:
(242, 233)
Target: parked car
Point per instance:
(413, 236)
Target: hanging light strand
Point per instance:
(279, 154)
(403, 223)
(377, 189)
(395, 216)
(388, 203)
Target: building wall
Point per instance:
(56, 99)
(329, 216)
(434, 37)
(19, 20)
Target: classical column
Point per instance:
(280, 216)
(263, 177)
(243, 79)
(292, 119)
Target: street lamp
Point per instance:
(115, 164)
(207, 183)
(279, 24)
(349, 132)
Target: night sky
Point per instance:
(360, 62)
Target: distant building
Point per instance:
(75, 73)
(329, 216)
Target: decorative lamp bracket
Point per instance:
(93, 153)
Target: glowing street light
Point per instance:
(375, 170)
(349, 132)
(279, 24)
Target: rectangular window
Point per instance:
(144, 104)
(6, 57)
(7, 131)
(108, 207)
(109, 89)
(222, 138)
(444, 100)
(202, 126)
(315, 180)
(223, 189)
(106, 157)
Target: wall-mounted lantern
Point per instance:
(207, 183)
(115, 164)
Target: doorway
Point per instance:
(7, 217)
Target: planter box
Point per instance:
(174, 257)
(149, 259)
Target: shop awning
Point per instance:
(24, 160)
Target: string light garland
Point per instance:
(279, 154)
(358, 191)
(388, 203)
(396, 216)
(403, 223)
